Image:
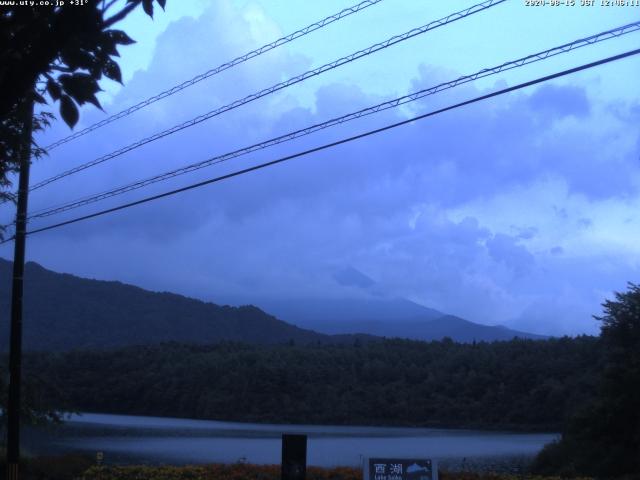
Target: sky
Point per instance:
(520, 210)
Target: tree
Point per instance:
(603, 440)
(37, 407)
(59, 52)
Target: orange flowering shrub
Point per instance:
(240, 471)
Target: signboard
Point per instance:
(400, 469)
(294, 457)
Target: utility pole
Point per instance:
(15, 347)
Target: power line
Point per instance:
(340, 142)
(297, 79)
(536, 57)
(220, 68)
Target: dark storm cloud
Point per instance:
(560, 100)
(389, 204)
(506, 249)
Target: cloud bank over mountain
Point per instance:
(520, 210)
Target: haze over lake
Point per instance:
(141, 439)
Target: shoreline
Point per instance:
(478, 428)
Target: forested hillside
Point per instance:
(521, 384)
(64, 312)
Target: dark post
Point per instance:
(294, 457)
(15, 347)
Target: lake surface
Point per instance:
(127, 439)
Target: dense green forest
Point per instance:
(520, 384)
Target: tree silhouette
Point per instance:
(603, 440)
(59, 53)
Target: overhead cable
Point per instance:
(338, 142)
(279, 86)
(536, 57)
(220, 68)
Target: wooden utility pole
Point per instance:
(15, 347)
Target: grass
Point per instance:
(259, 472)
(81, 467)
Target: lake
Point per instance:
(139, 439)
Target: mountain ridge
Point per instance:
(63, 312)
(395, 317)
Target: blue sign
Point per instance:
(400, 469)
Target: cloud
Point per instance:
(506, 249)
(557, 250)
(350, 277)
(560, 100)
(519, 209)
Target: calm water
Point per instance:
(125, 439)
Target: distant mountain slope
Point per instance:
(64, 312)
(387, 318)
(351, 310)
(462, 330)
(456, 328)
